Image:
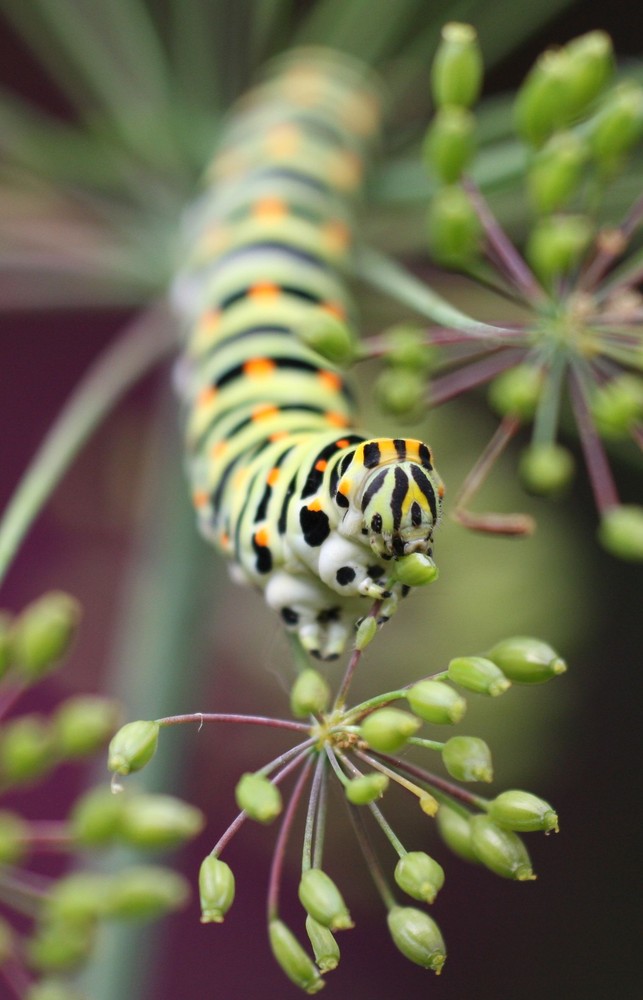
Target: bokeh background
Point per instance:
(165, 630)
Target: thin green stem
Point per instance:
(383, 273)
(372, 861)
(418, 741)
(322, 814)
(145, 343)
(311, 815)
(252, 720)
(279, 855)
(434, 782)
(377, 813)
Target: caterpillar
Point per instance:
(315, 513)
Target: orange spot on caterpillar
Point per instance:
(330, 380)
(278, 436)
(344, 487)
(200, 499)
(335, 235)
(262, 537)
(272, 476)
(334, 308)
(224, 539)
(314, 505)
(218, 449)
(206, 396)
(258, 367)
(264, 411)
(264, 290)
(336, 419)
(321, 465)
(283, 140)
(342, 443)
(269, 208)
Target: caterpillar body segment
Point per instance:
(306, 507)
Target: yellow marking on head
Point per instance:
(344, 487)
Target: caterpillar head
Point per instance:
(400, 505)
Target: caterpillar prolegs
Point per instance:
(316, 514)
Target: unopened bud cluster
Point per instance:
(364, 747)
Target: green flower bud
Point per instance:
(258, 797)
(500, 850)
(77, 898)
(310, 694)
(292, 958)
(449, 144)
(455, 830)
(542, 103)
(145, 892)
(453, 228)
(417, 936)
(14, 837)
(399, 391)
(617, 125)
(83, 724)
(527, 661)
(617, 405)
(388, 729)
(516, 392)
(523, 812)
(457, 70)
(555, 173)
(96, 817)
(321, 898)
(216, 889)
(25, 749)
(60, 945)
(52, 989)
(467, 758)
(6, 643)
(324, 945)
(330, 337)
(621, 532)
(43, 633)
(434, 701)
(415, 570)
(556, 244)
(546, 469)
(417, 874)
(367, 788)
(475, 673)
(591, 65)
(159, 821)
(406, 347)
(365, 632)
(133, 746)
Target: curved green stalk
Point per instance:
(142, 346)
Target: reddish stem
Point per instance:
(252, 720)
(447, 387)
(598, 468)
(279, 855)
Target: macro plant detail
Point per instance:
(574, 339)
(364, 747)
(252, 184)
(50, 920)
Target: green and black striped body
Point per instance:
(306, 507)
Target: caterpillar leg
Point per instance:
(309, 609)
